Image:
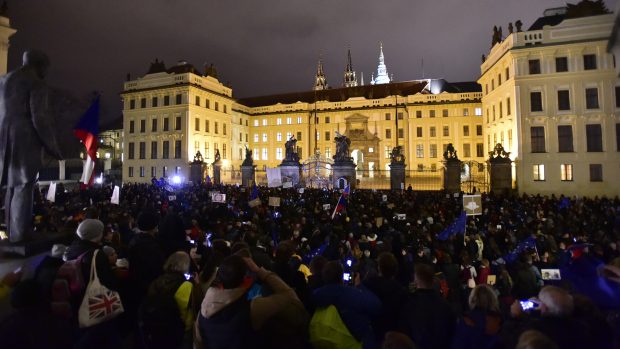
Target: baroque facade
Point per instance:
(551, 97)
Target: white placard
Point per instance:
(401, 216)
(287, 185)
(301, 190)
(254, 203)
(327, 206)
(456, 195)
(384, 197)
(51, 193)
(219, 197)
(274, 201)
(472, 204)
(116, 196)
(172, 197)
(274, 177)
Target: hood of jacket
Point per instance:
(217, 299)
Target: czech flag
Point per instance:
(87, 131)
(342, 202)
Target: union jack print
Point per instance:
(103, 305)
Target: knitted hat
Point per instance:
(147, 220)
(90, 229)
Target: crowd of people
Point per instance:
(530, 272)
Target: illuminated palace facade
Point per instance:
(170, 114)
(549, 95)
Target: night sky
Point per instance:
(259, 46)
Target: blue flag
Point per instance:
(254, 193)
(458, 226)
(511, 257)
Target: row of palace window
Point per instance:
(564, 100)
(594, 138)
(289, 121)
(207, 126)
(566, 172)
(279, 138)
(165, 154)
(141, 173)
(419, 150)
(534, 68)
(178, 100)
(500, 109)
(155, 125)
(446, 131)
(445, 113)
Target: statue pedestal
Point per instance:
(217, 170)
(196, 172)
(452, 176)
(344, 170)
(290, 172)
(501, 175)
(397, 176)
(27, 248)
(247, 175)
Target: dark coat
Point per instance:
(357, 306)
(478, 330)
(146, 261)
(428, 319)
(392, 296)
(104, 271)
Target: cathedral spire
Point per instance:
(320, 83)
(350, 80)
(382, 74)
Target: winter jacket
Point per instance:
(229, 311)
(357, 307)
(479, 329)
(428, 319)
(104, 271)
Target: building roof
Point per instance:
(404, 88)
(547, 20)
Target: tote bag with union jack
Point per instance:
(100, 304)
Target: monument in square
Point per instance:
(343, 169)
(248, 169)
(217, 168)
(397, 168)
(452, 170)
(197, 169)
(501, 169)
(290, 168)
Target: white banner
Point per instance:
(274, 177)
(218, 197)
(274, 201)
(51, 193)
(472, 204)
(116, 196)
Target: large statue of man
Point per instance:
(26, 131)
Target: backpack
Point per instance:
(68, 288)
(159, 321)
(327, 331)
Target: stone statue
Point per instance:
(198, 158)
(397, 155)
(249, 160)
(484, 58)
(290, 148)
(26, 131)
(450, 152)
(500, 36)
(494, 38)
(499, 152)
(342, 147)
(510, 28)
(518, 25)
(218, 157)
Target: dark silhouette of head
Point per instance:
(36, 60)
(332, 272)
(232, 271)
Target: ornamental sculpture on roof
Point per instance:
(499, 152)
(450, 152)
(397, 155)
